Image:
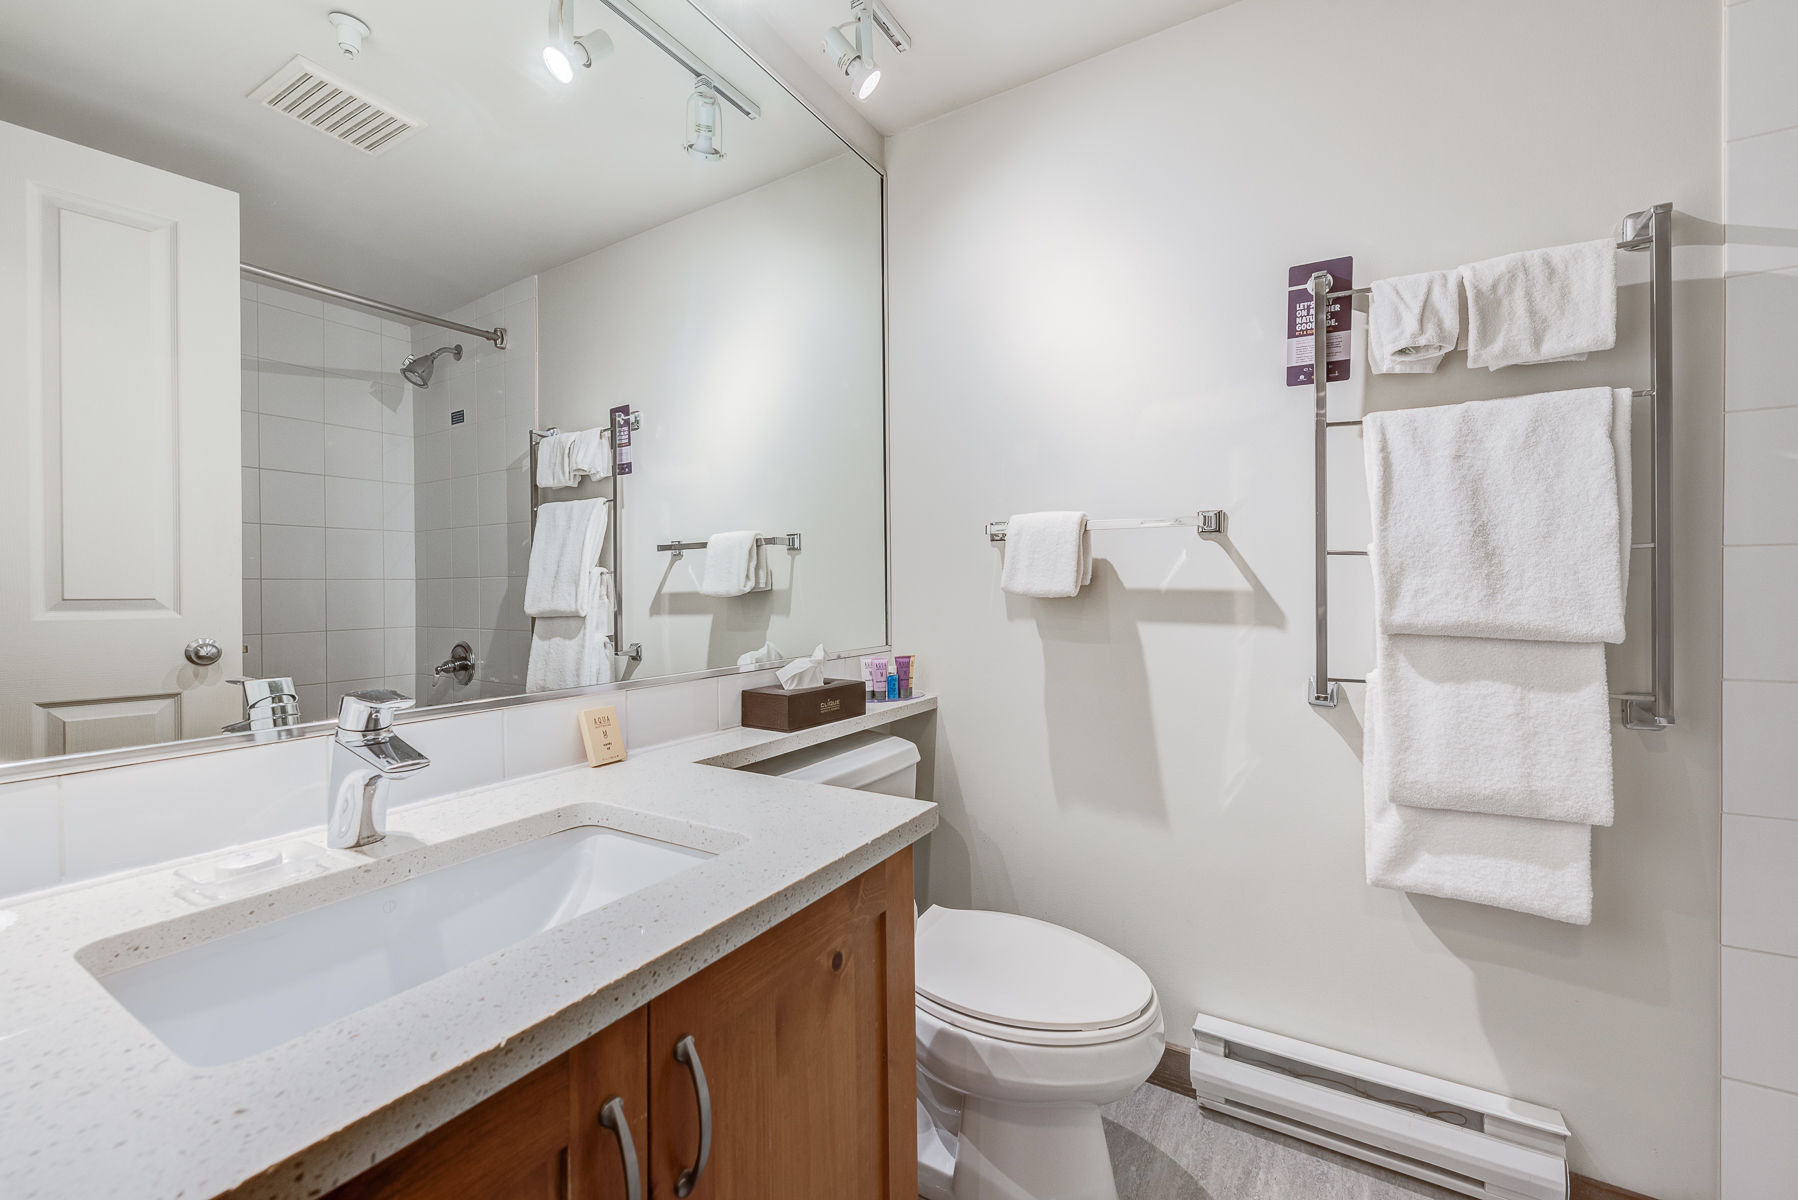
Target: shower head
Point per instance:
(418, 367)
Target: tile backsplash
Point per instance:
(87, 824)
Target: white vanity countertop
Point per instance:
(91, 1104)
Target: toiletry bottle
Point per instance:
(879, 691)
(893, 686)
(902, 669)
(868, 677)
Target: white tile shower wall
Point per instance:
(328, 508)
(76, 827)
(472, 498)
(1085, 313)
(1760, 575)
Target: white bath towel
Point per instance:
(1538, 867)
(590, 453)
(564, 549)
(1502, 518)
(555, 467)
(1048, 555)
(1412, 321)
(733, 564)
(571, 652)
(1481, 725)
(1542, 305)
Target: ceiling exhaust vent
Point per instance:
(313, 96)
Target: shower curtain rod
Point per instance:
(496, 335)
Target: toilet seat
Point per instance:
(1024, 980)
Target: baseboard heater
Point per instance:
(1471, 1141)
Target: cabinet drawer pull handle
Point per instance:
(612, 1117)
(686, 1052)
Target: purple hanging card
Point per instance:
(1298, 320)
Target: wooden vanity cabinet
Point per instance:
(805, 1037)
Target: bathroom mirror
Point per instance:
(301, 296)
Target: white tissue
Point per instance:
(768, 653)
(803, 672)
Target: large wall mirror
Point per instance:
(466, 350)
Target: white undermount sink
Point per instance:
(252, 990)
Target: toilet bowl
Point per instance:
(1025, 1030)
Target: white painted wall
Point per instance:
(749, 336)
(1760, 648)
(1087, 284)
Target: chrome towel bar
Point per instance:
(1206, 520)
(676, 546)
(1650, 230)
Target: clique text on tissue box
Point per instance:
(785, 711)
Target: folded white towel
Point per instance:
(733, 564)
(1538, 867)
(1413, 321)
(571, 652)
(564, 548)
(1048, 555)
(1542, 305)
(1482, 725)
(555, 468)
(590, 453)
(1503, 518)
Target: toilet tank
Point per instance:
(869, 762)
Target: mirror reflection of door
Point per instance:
(119, 469)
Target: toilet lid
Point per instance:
(1025, 973)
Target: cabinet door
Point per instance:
(806, 1039)
(539, 1139)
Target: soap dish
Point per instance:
(246, 872)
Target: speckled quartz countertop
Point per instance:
(92, 1104)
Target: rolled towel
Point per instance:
(1482, 725)
(1542, 305)
(590, 453)
(1413, 321)
(555, 469)
(1503, 518)
(1538, 867)
(1048, 555)
(732, 564)
(571, 652)
(565, 547)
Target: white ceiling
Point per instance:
(967, 50)
(512, 173)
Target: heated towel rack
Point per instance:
(677, 547)
(634, 651)
(1206, 520)
(1650, 230)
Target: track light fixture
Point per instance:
(856, 59)
(705, 122)
(563, 51)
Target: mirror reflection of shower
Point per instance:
(418, 367)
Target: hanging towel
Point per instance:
(1048, 555)
(555, 469)
(1413, 321)
(1538, 867)
(1542, 305)
(733, 564)
(590, 453)
(564, 548)
(1481, 725)
(571, 652)
(1502, 518)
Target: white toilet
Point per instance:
(1025, 1029)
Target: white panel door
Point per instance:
(121, 525)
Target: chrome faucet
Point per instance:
(367, 754)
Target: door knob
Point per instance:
(204, 652)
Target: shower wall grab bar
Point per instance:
(634, 651)
(789, 540)
(1206, 520)
(1650, 230)
(496, 335)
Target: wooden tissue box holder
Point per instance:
(804, 708)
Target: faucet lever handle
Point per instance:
(370, 711)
